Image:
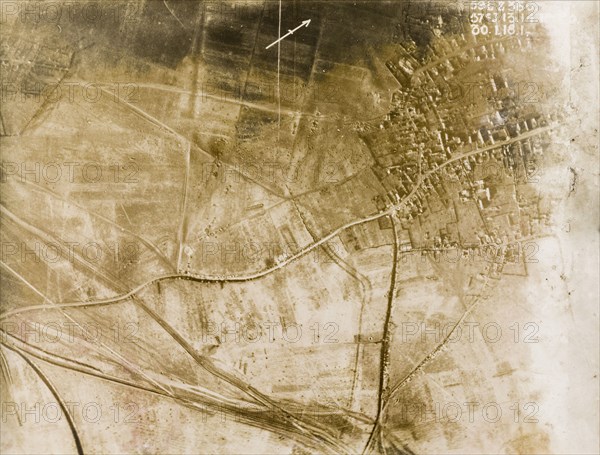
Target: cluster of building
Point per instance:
(464, 127)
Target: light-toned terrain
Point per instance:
(379, 236)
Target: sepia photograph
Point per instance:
(296, 227)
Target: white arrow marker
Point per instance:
(290, 32)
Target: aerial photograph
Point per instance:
(296, 227)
